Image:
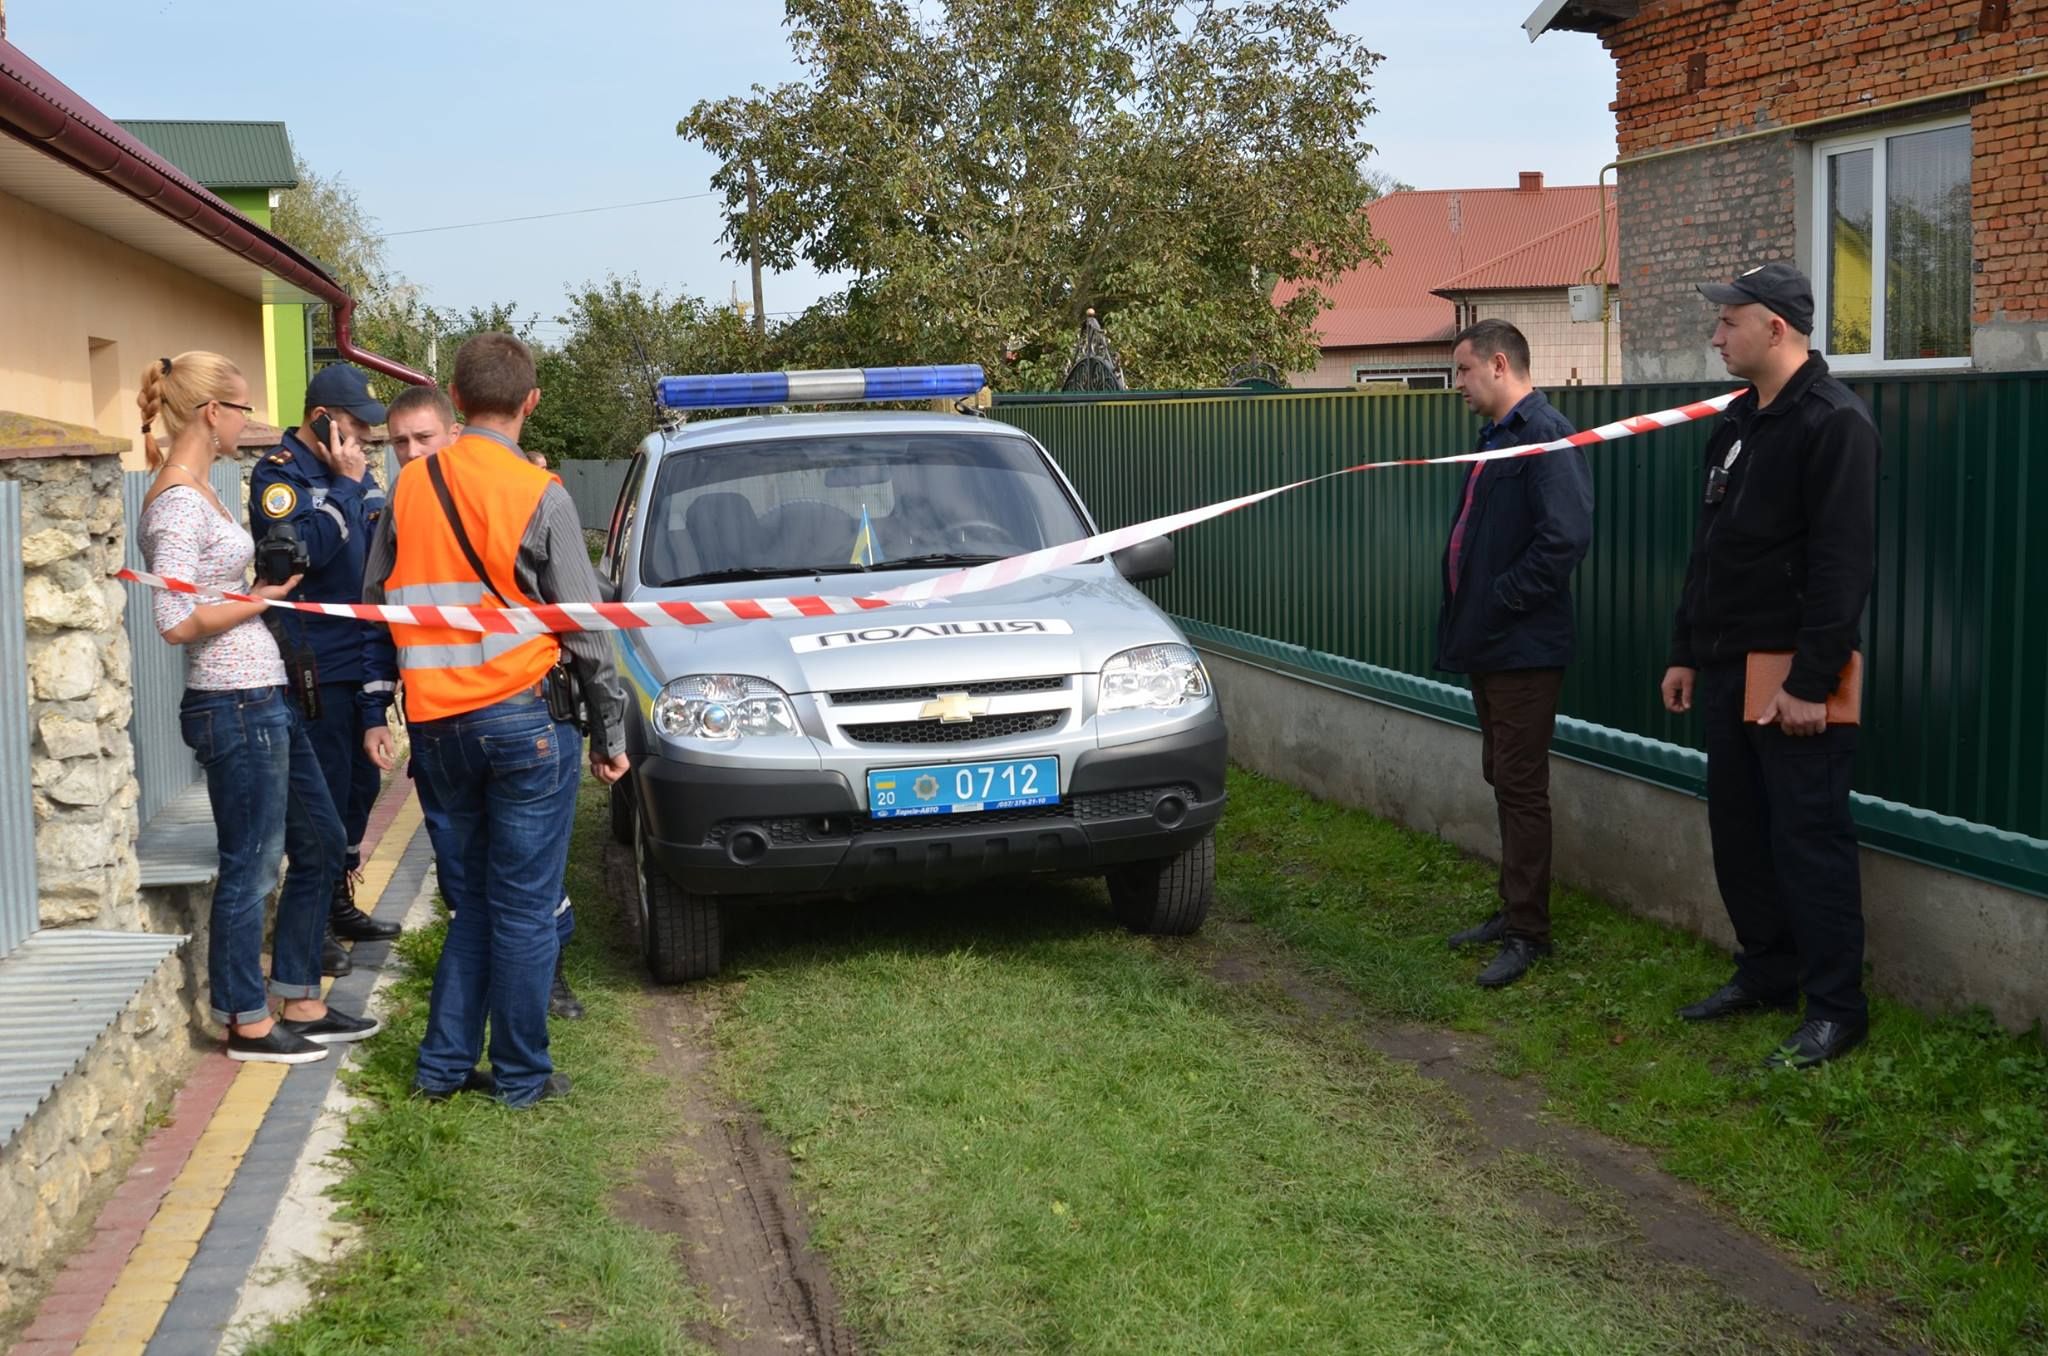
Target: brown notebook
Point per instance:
(1768, 670)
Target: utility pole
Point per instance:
(753, 248)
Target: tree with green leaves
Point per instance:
(989, 170)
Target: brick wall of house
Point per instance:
(1689, 219)
(1337, 365)
(1690, 72)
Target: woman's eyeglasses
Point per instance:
(245, 409)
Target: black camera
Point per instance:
(281, 554)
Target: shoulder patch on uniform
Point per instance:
(281, 457)
(279, 500)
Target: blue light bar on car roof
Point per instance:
(734, 390)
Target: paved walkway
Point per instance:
(175, 1247)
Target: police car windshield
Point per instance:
(854, 501)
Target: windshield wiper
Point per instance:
(760, 572)
(934, 558)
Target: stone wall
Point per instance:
(80, 694)
(48, 1173)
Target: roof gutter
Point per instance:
(39, 109)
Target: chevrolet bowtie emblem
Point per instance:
(954, 708)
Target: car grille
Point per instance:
(869, 696)
(792, 831)
(960, 732)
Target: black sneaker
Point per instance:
(478, 1080)
(1485, 933)
(279, 1045)
(350, 923)
(557, 1085)
(336, 1028)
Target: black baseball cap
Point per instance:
(343, 386)
(1779, 288)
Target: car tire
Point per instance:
(1167, 898)
(680, 936)
(622, 813)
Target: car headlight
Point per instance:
(723, 706)
(1153, 678)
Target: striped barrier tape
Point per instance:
(557, 617)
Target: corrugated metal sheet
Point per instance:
(222, 154)
(17, 810)
(594, 485)
(1349, 569)
(1558, 259)
(163, 765)
(59, 992)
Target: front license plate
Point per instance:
(963, 788)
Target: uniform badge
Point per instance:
(281, 457)
(279, 500)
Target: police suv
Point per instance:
(1059, 724)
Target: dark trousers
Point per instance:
(1785, 851)
(1517, 712)
(352, 779)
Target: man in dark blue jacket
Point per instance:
(1521, 527)
(315, 482)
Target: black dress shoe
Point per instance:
(1732, 998)
(562, 1000)
(1817, 1042)
(334, 960)
(478, 1080)
(1492, 930)
(1517, 954)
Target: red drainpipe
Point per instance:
(38, 109)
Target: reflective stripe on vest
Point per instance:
(496, 490)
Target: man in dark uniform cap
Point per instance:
(1782, 562)
(315, 483)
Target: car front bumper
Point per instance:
(745, 831)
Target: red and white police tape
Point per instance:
(556, 617)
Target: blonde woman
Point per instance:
(266, 791)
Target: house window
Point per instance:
(1892, 245)
(1427, 380)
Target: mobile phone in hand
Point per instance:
(323, 429)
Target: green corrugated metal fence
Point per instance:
(1343, 576)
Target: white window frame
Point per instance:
(1822, 262)
(1362, 374)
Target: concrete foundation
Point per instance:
(1938, 941)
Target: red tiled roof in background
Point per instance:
(1395, 301)
(1558, 259)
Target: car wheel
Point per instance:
(1170, 897)
(679, 929)
(622, 813)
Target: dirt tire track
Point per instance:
(1673, 1220)
(725, 1192)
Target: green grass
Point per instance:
(489, 1231)
(1021, 1129)
(1915, 1169)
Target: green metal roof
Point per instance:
(222, 154)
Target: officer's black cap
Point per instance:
(1779, 288)
(341, 386)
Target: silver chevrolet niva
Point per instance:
(1057, 725)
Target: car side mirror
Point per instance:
(607, 591)
(1152, 559)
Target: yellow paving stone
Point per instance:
(164, 1250)
(212, 1173)
(187, 1193)
(124, 1323)
(109, 1348)
(150, 1285)
(182, 1225)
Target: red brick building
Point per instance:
(1894, 150)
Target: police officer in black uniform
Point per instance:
(315, 484)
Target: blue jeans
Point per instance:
(261, 782)
(352, 779)
(449, 871)
(505, 778)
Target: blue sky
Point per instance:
(449, 111)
